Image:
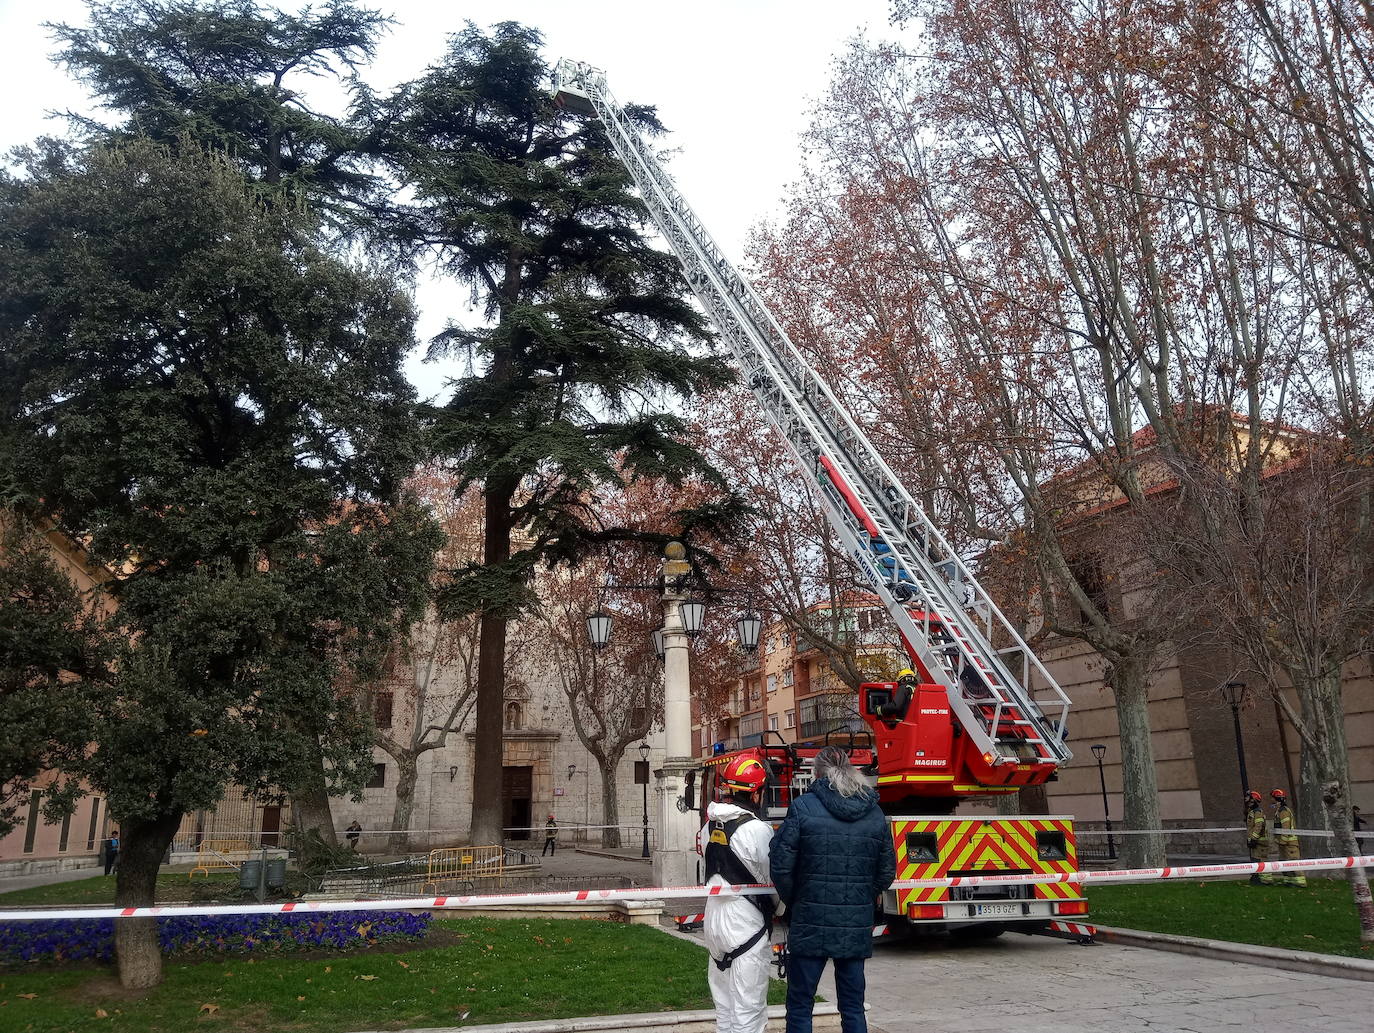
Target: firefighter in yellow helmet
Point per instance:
(1257, 834)
(1287, 844)
(734, 844)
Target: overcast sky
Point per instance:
(733, 80)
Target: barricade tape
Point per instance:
(1104, 833)
(678, 892)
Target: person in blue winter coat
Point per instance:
(830, 860)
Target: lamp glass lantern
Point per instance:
(748, 628)
(658, 642)
(1233, 692)
(644, 751)
(599, 629)
(1099, 751)
(693, 613)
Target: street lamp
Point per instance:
(586, 794)
(1234, 692)
(693, 613)
(599, 629)
(658, 643)
(747, 628)
(1100, 751)
(642, 777)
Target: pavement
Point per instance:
(1035, 984)
(23, 882)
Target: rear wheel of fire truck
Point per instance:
(976, 933)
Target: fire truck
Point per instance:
(984, 715)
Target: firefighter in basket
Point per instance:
(734, 844)
(1256, 834)
(1287, 844)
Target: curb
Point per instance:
(594, 852)
(1244, 953)
(827, 1020)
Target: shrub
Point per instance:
(93, 939)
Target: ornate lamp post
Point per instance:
(642, 777)
(1234, 693)
(1100, 751)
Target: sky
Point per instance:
(733, 80)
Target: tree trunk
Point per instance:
(610, 803)
(310, 810)
(1324, 756)
(398, 841)
(1338, 813)
(141, 849)
(491, 674)
(1139, 788)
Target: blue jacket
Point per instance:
(830, 860)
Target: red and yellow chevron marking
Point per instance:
(982, 845)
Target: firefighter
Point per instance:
(1287, 844)
(901, 698)
(1257, 835)
(734, 843)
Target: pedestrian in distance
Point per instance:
(112, 851)
(831, 859)
(1257, 835)
(1286, 842)
(738, 929)
(1356, 822)
(550, 837)
(352, 833)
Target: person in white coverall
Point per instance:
(734, 844)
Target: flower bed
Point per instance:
(85, 940)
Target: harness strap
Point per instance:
(729, 957)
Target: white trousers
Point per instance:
(741, 991)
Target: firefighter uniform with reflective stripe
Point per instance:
(734, 844)
(1287, 844)
(1257, 837)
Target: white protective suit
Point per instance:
(741, 991)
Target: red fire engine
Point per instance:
(982, 714)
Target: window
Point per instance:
(772, 722)
(31, 829)
(787, 677)
(378, 777)
(1087, 571)
(789, 719)
(772, 683)
(787, 639)
(95, 816)
(515, 716)
(381, 709)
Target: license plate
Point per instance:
(1008, 910)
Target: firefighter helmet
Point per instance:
(744, 774)
(1278, 794)
(906, 674)
(1253, 796)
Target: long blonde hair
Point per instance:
(833, 763)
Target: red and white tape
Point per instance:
(1196, 871)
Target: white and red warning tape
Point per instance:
(678, 892)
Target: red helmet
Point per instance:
(1253, 795)
(744, 774)
(1278, 794)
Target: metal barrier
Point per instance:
(212, 855)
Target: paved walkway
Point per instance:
(1033, 984)
(23, 882)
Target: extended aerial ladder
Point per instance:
(947, 622)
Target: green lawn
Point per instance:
(1320, 917)
(100, 889)
(497, 970)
